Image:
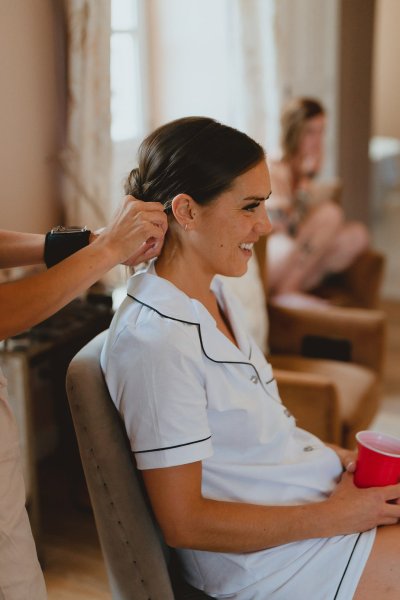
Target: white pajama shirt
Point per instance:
(187, 394)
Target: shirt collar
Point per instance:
(165, 298)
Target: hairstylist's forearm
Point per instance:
(26, 302)
(135, 233)
(20, 249)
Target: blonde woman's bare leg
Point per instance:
(381, 576)
(351, 241)
(280, 251)
(304, 257)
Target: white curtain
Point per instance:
(255, 94)
(86, 160)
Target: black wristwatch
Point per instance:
(62, 241)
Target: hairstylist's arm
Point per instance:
(135, 233)
(19, 249)
(188, 520)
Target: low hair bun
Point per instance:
(196, 156)
(133, 185)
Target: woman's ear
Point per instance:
(183, 209)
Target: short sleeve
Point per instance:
(154, 372)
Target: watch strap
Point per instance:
(60, 245)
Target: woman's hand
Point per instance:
(136, 231)
(362, 509)
(354, 509)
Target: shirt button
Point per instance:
(254, 379)
(308, 448)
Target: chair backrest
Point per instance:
(134, 551)
(131, 546)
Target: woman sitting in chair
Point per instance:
(256, 507)
(310, 237)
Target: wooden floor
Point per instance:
(71, 555)
(73, 564)
(74, 568)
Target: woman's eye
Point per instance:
(251, 207)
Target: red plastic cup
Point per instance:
(378, 461)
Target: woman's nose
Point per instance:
(263, 225)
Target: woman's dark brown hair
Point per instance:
(197, 156)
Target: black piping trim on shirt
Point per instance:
(172, 447)
(230, 362)
(347, 566)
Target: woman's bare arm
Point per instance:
(189, 520)
(135, 234)
(19, 249)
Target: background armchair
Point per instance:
(359, 285)
(139, 564)
(328, 363)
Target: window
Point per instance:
(128, 121)
(125, 77)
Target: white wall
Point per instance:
(29, 115)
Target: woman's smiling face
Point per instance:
(224, 231)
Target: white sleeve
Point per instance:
(154, 372)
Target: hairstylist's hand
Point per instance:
(136, 231)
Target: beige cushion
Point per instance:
(353, 382)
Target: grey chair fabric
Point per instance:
(134, 552)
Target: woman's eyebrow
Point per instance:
(257, 198)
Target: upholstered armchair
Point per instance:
(357, 286)
(328, 363)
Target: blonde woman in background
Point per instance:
(310, 238)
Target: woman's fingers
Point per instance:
(391, 492)
(134, 223)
